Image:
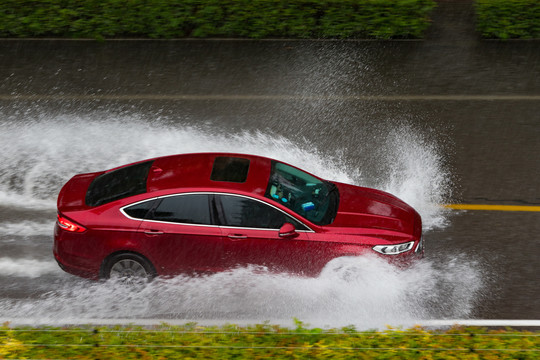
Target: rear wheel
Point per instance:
(128, 268)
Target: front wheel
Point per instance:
(128, 268)
(347, 268)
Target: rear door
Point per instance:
(250, 230)
(181, 235)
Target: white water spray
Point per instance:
(366, 292)
(26, 268)
(39, 155)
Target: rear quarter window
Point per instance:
(140, 210)
(118, 184)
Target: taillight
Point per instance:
(69, 225)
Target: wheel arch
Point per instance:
(107, 262)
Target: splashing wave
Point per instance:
(363, 291)
(38, 156)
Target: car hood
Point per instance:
(367, 208)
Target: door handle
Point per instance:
(237, 237)
(154, 232)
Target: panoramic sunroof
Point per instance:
(231, 169)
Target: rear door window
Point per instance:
(184, 209)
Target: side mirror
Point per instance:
(288, 231)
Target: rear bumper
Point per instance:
(76, 270)
(70, 258)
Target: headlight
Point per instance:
(393, 249)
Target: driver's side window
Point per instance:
(240, 211)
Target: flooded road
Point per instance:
(432, 122)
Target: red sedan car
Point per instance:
(209, 212)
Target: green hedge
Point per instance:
(507, 19)
(215, 18)
(263, 342)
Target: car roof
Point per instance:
(195, 171)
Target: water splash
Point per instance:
(363, 291)
(26, 228)
(27, 268)
(39, 155)
(417, 174)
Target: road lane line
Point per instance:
(278, 97)
(492, 207)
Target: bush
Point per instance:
(263, 341)
(215, 18)
(507, 19)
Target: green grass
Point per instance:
(263, 341)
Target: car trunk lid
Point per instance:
(73, 193)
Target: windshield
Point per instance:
(311, 198)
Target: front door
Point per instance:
(250, 230)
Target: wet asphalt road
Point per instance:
(479, 100)
(488, 92)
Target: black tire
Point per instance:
(128, 268)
